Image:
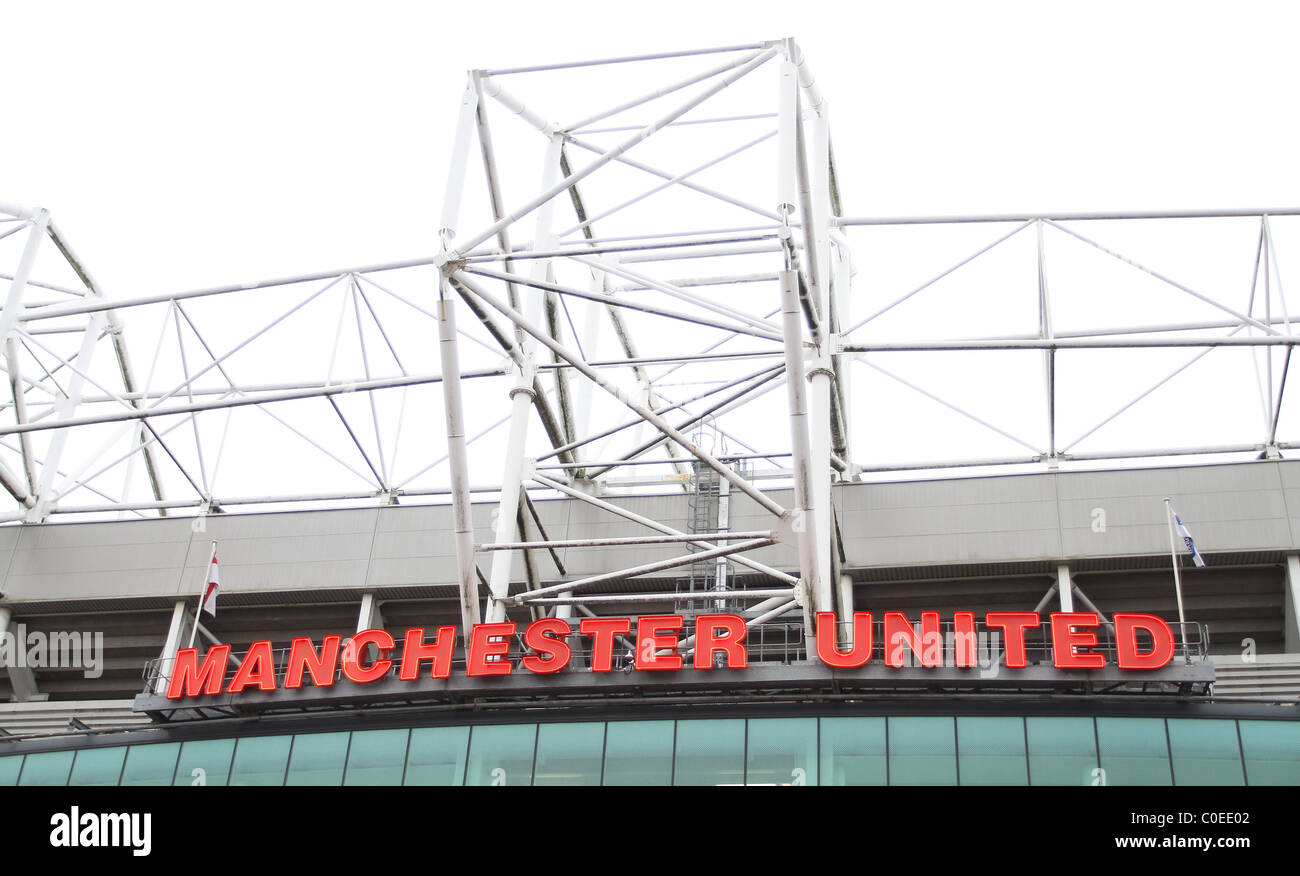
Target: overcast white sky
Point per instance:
(180, 147)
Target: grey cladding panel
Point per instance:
(924, 522)
(126, 558)
(1226, 508)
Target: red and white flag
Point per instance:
(210, 589)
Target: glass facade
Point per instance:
(898, 750)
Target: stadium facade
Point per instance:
(745, 590)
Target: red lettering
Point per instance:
(481, 647)
(356, 647)
(652, 636)
(1013, 625)
(828, 647)
(189, 679)
(1126, 642)
(1065, 639)
(438, 652)
(303, 656)
(546, 637)
(258, 667)
(964, 640)
(731, 641)
(602, 631)
(928, 646)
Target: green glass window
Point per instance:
(260, 760)
(853, 751)
(1205, 751)
(922, 751)
(318, 759)
(377, 757)
(501, 754)
(98, 766)
(639, 753)
(1062, 751)
(437, 756)
(710, 752)
(205, 763)
(1134, 751)
(10, 767)
(47, 768)
(781, 751)
(991, 751)
(150, 764)
(569, 754)
(1272, 751)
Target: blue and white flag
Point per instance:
(1187, 540)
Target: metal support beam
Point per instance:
(176, 634)
(21, 677)
(656, 525)
(462, 511)
(521, 397)
(1064, 586)
(1291, 605)
(649, 415)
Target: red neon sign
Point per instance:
(1143, 642)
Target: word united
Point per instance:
(659, 638)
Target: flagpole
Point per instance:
(1178, 585)
(203, 591)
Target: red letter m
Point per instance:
(189, 679)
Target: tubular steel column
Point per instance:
(521, 398)
(461, 510)
(801, 461)
(8, 323)
(822, 373)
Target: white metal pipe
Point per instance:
(1273, 340)
(645, 569)
(661, 92)
(1268, 329)
(8, 324)
(665, 184)
(99, 305)
(748, 117)
(655, 525)
(289, 395)
(455, 185)
(1065, 587)
(823, 373)
(521, 398)
(615, 302)
(693, 186)
(493, 89)
(64, 409)
(609, 155)
(623, 541)
(771, 330)
(806, 522)
(462, 511)
(626, 59)
(645, 412)
(807, 81)
(666, 596)
(1178, 585)
(1253, 213)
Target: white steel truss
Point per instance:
(675, 291)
